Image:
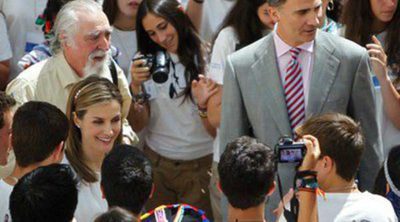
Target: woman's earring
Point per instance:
(330, 6)
(78, 126)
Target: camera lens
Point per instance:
(160, 75)
(160, 67)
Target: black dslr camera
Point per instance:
(288, 151)
(158, 64)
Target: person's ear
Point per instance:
(58, 153)
(77, 121)
(327, 163)
(153, 189)
(102, 192)
(271, 189)
(11, 142)
(65, 40)
(274, 13)
(219, 187)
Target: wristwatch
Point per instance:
(139, 98)
(202, 112)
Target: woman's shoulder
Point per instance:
(66, 161)
(228, 34)
(226, 41)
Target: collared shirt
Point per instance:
(51, 81)
(305, 58)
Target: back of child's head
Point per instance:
(126, 178)
(116, 214)
(247, 171)
(48, 193)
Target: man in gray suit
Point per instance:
(335, 76)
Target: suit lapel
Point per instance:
(323, 75)
(270, 86)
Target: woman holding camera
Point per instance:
(178, 140)
(122, 16)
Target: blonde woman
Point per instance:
(94, 114)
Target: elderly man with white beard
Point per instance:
(80, 49)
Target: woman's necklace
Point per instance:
(350, 188)
(12, 180)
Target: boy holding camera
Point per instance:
(330, 166)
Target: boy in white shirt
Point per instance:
(335, 157)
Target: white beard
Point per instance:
(96, 67)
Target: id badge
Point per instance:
(33, 39)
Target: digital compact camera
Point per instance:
(289, 151)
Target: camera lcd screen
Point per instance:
(290, 155)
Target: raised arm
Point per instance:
(362, 108)
(194, 10)
(390, 96)
(139, 112)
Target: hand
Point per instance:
(286, 199)
(203, 89)
(139, 72)
(378, 59)
(312, 154)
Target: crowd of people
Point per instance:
(192, 110)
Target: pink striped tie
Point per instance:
(294, 91)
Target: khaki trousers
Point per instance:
(215, 193)
(178, 181)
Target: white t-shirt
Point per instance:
(390, 134)
(90, 199)
(5, 192)
(24, 34)
(126, 43)
(7, 169)
(355, 207)
(5, 48)
(224, 45)
(175, 129)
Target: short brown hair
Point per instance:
(340, 138)
(37, 129)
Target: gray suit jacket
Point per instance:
(253, 96)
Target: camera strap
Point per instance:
(290, 216)
(113, 72)
(172, 90)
